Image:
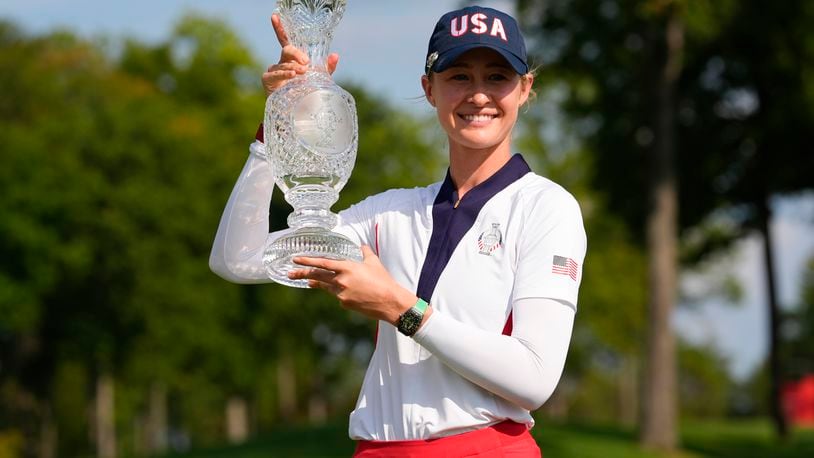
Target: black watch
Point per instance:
(410, 321)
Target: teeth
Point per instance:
(476, 118)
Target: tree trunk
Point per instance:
(317, 405)
(659, 403)
(48, 435)
(628, 391)
(286, 388)
(157, 425)
(775, 366)
(105, 418)
(237, 420)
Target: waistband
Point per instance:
(470, 443)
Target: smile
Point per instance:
(477, 117)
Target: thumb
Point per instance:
(367, 253)
(333, 60)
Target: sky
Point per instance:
(382, 46)
(740, 330)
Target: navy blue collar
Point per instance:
(450, 223)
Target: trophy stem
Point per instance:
(318, 57)
(312, 204)
(312, 217)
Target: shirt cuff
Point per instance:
(424, 330)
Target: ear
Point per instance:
(426, 84)
(526, 83)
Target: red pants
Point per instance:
(503, 440)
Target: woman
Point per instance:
(473, 280)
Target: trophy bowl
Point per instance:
(311, 136)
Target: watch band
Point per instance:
(421, 305)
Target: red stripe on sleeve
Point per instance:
(377, 239)
(507, 328)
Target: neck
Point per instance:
(469, 168)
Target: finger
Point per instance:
(322, 275)
(321, 263)
(272, 77)
(274, 80)
(333, 60)
(295, 66)
(279, 75)
(316, 284)
(279, 30)
(291, 53)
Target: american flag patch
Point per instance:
(565, 266)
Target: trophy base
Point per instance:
(314, 242)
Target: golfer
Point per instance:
(473, 280)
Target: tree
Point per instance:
(115, 169)
(750, 114)
(104, 241)
(621, 64)
(799, 330)
(736, 100)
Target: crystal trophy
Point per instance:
(311, 136)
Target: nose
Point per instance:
(479, 98)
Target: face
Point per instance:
(477, 100)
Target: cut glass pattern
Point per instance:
(311, 135)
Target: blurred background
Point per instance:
(683, 127)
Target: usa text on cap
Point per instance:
(476, 27)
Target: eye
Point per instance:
(459, 77)
(498, 77)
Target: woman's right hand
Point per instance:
(293, 61)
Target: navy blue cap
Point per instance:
(475, 27)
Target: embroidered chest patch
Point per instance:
(490, 240)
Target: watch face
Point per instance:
(410, 321)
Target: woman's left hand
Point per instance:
(365, 287)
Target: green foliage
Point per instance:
(704, 386)
(746, 117)
(392, 153)
(114, 175)
(70, 395)
(112, 191)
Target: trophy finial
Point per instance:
(310, 24)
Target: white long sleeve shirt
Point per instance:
(501, 268)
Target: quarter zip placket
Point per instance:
(451, 219)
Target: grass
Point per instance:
(745, 439)
(318, 442)
(708, 439)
